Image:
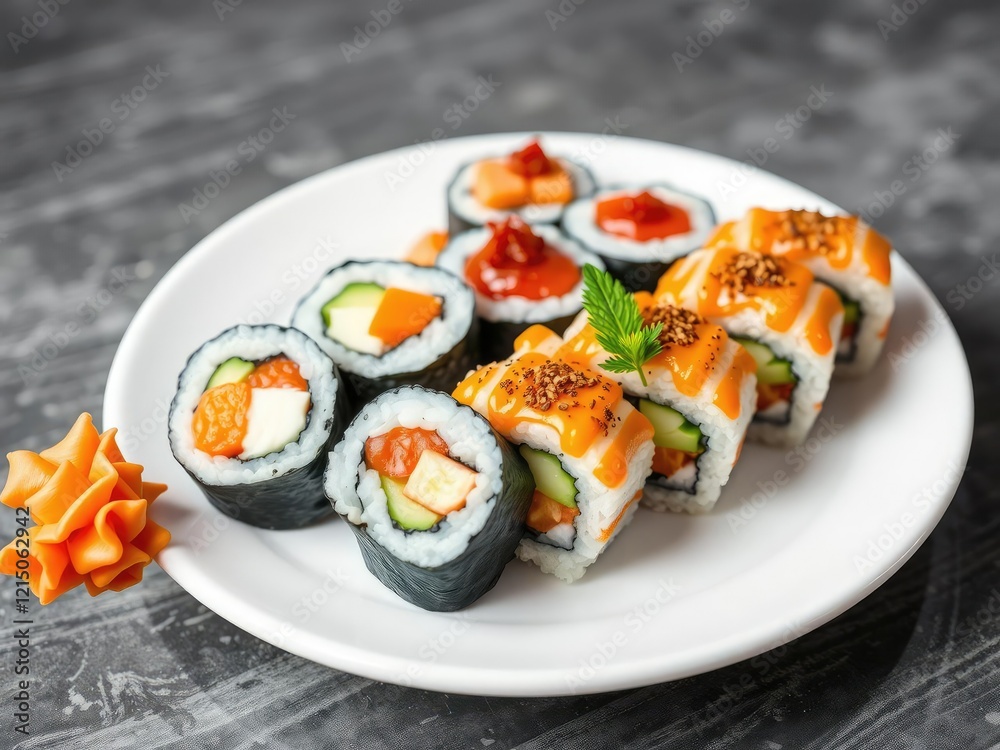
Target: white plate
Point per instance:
(674, 595)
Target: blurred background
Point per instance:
(114, 114)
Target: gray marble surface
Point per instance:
(913, 666)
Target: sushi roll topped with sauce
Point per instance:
(522, 274)
(789, 322)
(388, 323)
(698, 392)
(639, 231)
(844, 252)
(588, 448)
(528, 182)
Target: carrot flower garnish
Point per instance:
(89, 507)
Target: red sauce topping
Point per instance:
(396, 452)
(641, 217)
(530, 161)
(517, 262)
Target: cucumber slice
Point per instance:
(551, 479)
(410, 515)
(852, 310)
(233, 370)
(778, 372)
(670, 428)
(358, 294)
(760, 352)
(771, 370)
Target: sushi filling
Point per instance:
(422, 483)
(251, 409)
(516, 262)
(371, 319)
(775, 382)
(525, 177)
(553, 510)
(642, 217)
(847, 347)
(679, 444)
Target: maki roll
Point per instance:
(527, 183)
(789, 322)
(699, 395)
(436, 498)
(256, 411)
(639, 231)
(588, 448)
(521, 275)
(842, 251)
(390, 323)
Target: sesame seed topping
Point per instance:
(678, 324)
(552, 380)
(810, 231)
(752, 269)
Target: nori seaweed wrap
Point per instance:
(436, 498)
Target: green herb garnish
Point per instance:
(616, 319)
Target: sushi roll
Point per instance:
(256, 411)
(588, 448)
(699, 395)
(789, 322)
(639, 231)
(435, 497)
(390, 323)
(528, 183)
(522, 275)
(842, 251)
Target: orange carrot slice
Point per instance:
(497, 186)
(554, 187)
(668, 461)
(220, 420)
(545, 513)
(402, 314)
(426, 250)
(280, 372)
